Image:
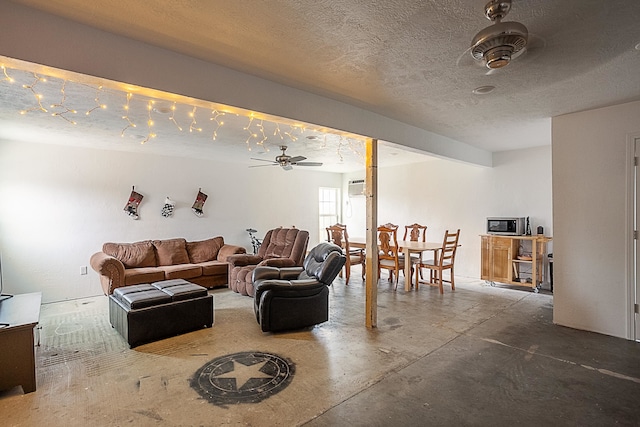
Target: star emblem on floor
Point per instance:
(247, 377)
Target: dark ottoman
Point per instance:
(149, 312)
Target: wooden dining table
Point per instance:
(407, 247)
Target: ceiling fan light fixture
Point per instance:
(499, 42)
(498, 57)
(496, 44)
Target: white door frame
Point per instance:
(633, 244)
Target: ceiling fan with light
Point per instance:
(497, 45)
(285, 161)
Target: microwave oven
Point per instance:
(509, 226)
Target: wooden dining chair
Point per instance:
(388, 251)
(389, 255)
(338, 235)
(416, 233)
(444, 259)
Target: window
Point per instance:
(328, 208)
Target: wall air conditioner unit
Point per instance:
(356, 188)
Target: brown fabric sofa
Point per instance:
(281, 247)
(201, 262)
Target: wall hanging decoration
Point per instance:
(131, 207)
(169, 206)
(199, 203)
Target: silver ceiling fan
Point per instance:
(497, 45)
(285, 161)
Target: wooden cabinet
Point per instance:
(19, 315)
(516, 260)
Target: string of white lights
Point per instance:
(7, 77)
(251, 133)
(256, 127)
(151, 134)
(61, 106)
(172, 117)
(215, 116)
(97, 100)
(38, 96)
(130, 124)
(194, 125)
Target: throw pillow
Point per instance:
(204, 250)
(171, 251)
(132, 255)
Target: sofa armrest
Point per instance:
(227, 250)
(243, 259)
(110, 269)
(279, 262)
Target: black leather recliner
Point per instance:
(296, 297)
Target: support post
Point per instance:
(371, 274)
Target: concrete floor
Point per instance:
(481, 355)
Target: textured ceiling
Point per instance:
(406, 60)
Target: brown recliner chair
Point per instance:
(281, 247)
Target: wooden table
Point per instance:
(20, 314)
(407, 247)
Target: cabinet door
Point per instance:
(485, 251)
(501, 259)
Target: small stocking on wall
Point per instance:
(169, 206)
(131, 208)
(199, 203)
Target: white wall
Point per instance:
(445, 194)
(58, 205)
(590, 184)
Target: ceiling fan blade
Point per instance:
(308, 164)
(264, 160)
(261, 166)
(296, 159)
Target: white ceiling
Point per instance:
(406, 60)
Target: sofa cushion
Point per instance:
(118, 292)
(180, 289)
(171, 251)
(132, 255)
(135, 276)
(182, 271)
(213, 268)
(146, 298)
(204, 250)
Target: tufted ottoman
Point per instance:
(149, 312)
